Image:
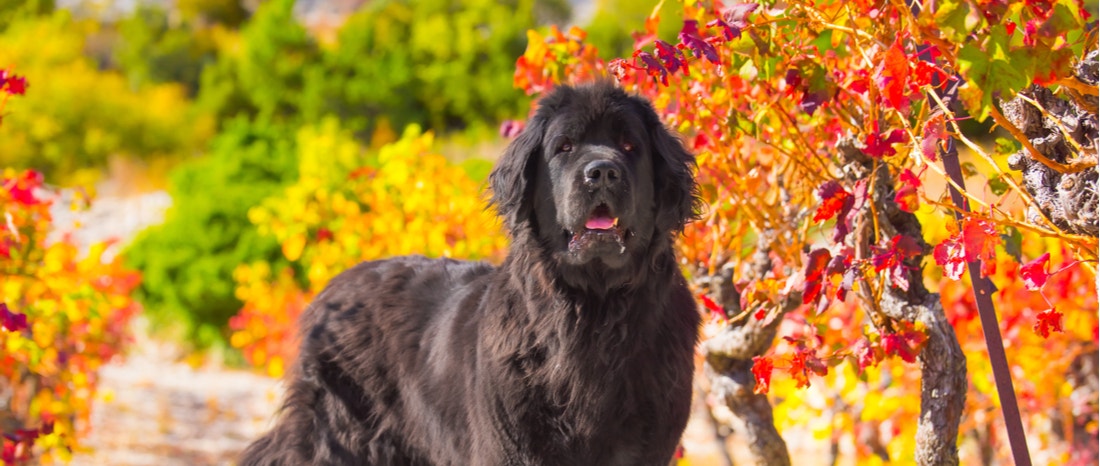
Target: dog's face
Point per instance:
(594, 178)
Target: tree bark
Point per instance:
(728, 367)
(942, 362)
(1069, 200)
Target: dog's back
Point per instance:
(374, 344)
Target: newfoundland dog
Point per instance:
(577, 350)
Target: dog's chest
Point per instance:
(597, 408)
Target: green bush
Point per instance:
(267, 72)
(151, 49)
(445, 64)
(188, 261)
(11, 10)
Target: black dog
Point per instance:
(577, 350)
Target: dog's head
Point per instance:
(594, 178)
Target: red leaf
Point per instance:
(833, 199)
(815, 274)
(1035, 272)
(907, 199)
(892, 259)
(690, 38)
(906, 343)
(934, 132)
(924, 73)
(894, 345)
(975, 240)
(804, 362)
(728, 32)
(946, 255)
(8, 455)
(653, 67)
(893, 77)
(847, 282)
(711, 305)
(701, 140)
(1030, 29)
(735, 14)
(762, 368)
(733, 21)
(16, 85)
(22, 188)
(670, 56)
(901, 247)
(851, 211)
(865, 354)
(1048, 320)
(909, 178)
(880, 145)
(859, 83)
(13, 321)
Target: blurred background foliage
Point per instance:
(213, 101)
(296, 138)
(188, 260)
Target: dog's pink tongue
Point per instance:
(600, 223)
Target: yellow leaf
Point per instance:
(275, 367)
(293, 246)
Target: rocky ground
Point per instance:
(153, 409)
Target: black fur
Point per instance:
(577, 350)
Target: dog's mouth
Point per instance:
(601, 219)
(601, 226)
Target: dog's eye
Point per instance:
(628, 146)
(565, 147)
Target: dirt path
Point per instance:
(153, 410)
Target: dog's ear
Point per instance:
(512, 178)
(678, 200)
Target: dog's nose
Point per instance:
(601, 173)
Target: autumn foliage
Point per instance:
(818, 128)
(351, 204)
(63, 314)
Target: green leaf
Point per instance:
(957, 19)
(748, 70)
(992, 70)
(1063, 19)
(824, 42)
(1006, 146)
(969, 169)
(997, 185)
(743, 124)
(1007, 72)
(1013, 242)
